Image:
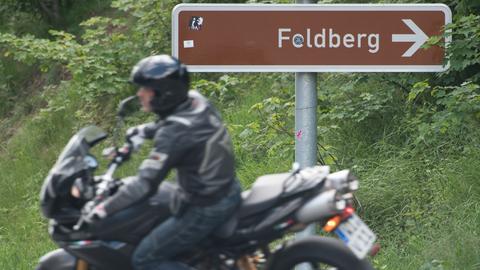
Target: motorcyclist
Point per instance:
(190, 137)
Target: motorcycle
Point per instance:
(255, 237)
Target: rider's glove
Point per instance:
(136, 136)
(92, 212)
(123, 153)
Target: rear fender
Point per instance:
(57, 260)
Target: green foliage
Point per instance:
(100, 59)
(58, 14)
(464, 49)
(223, 91)
(152, 27)
(454, 111)
(272, 131)
(447, 107)
(14, 19)
(97, 67)
(353, 98)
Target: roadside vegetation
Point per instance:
(413, 139)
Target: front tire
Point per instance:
(319, 252)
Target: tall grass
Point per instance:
(427, 216)
(423, 201)
(23, 165)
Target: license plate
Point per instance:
(356, 235)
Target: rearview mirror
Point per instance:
(127, 106)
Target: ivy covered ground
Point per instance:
(413, 139)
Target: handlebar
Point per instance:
(107, 181)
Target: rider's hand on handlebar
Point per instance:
(124, 152)
(136, 136)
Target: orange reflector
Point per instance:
(332, 224)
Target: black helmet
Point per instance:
(167, 76)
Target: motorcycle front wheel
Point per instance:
(318, 253)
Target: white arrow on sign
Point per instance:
(419, 37)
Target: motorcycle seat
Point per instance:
(260, 197)
(263, 194)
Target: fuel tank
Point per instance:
(129, 225)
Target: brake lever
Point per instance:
(109, 152)
(79, 224)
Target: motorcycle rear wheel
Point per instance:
(319, 253)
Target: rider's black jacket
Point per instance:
(193, 140)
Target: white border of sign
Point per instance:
(307, 7)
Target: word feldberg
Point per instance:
(332, 40)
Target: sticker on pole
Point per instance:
(309, 38)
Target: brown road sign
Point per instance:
(305, 38)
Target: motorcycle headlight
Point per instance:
(91, 162)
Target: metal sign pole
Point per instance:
(305, 130)
(305, 127)
(306, 118)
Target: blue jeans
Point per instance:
(180, 234)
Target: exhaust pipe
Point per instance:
(343, 181)
(325, 205)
